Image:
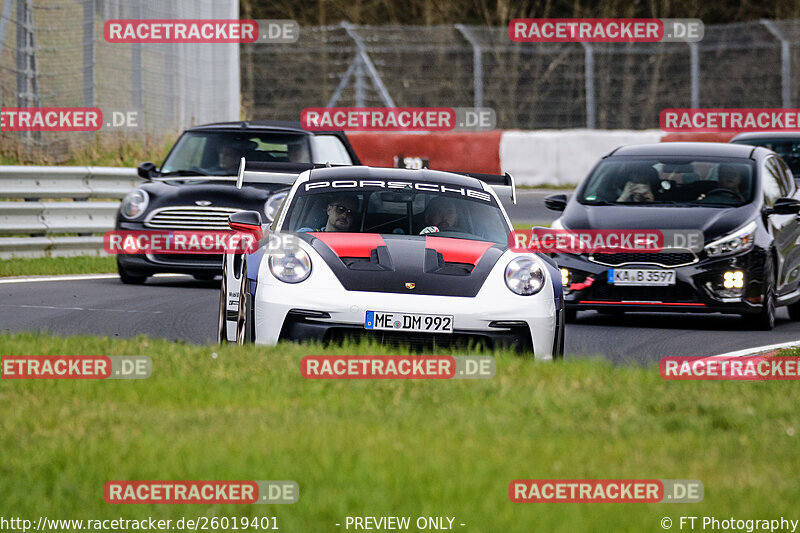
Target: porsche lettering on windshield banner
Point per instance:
(344, 185)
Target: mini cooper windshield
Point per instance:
(219, 153)
(405, 211)
(708, 182)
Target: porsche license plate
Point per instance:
(640, 276)
(409, 322)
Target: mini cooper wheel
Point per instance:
(129, 278)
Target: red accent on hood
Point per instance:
(350, 244)
(458, 250)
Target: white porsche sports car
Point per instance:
(410, 257)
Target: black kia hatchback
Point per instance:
(742, 198)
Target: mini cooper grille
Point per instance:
(190, 218)
(670, 259)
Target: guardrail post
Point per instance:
(694, 68)
(786, 62)
(477, 65)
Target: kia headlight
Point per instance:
(135, 203)
(738, 241)
(524, 276)
(290, 264)
(272, 205)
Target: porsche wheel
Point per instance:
(244, 322)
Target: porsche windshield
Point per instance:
(219, 153)
(670, 181)
(402, 211)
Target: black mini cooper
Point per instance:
(196, 189)
(742, 198)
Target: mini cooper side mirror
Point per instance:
(245, 221)
(784, 206)
(147, 170)
(556, 202)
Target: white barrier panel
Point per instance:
(66, 182)
(12, 247)
(562, 157)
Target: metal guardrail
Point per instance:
(40, 206)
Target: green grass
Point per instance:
(57, 265)
(401, 448)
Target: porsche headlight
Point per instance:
(290, 264)
(738, 241)
(135, 203)
(524, 276)
(272, 205)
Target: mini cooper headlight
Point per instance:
(272, 205)
(524, 276)
(290, 264)
(135, 203)
(738, 241)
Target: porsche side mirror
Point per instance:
(147, 170)
(245, 221)
(556, 202)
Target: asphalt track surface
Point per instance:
(180, 308)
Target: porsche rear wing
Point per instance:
(502, 185)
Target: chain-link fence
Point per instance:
(530, 85)
(53, 54)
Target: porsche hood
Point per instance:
(406, 264)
